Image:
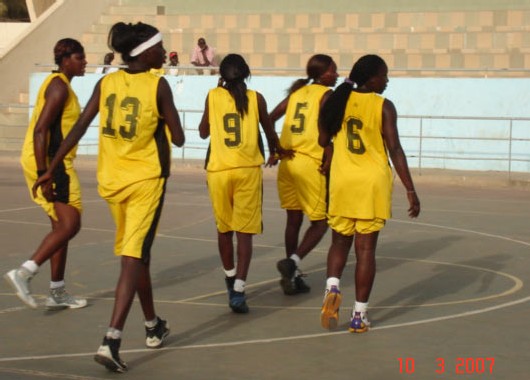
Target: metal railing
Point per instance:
(481, 72)
(510, 149)
(429, 142)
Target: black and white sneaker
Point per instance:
(155, 335)
(108, 355)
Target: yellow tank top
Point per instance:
(360, 177)
(300, 127)
(57, 130)
(133, 144)
(235, 141)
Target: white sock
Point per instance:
(113, 333)
(239, 285)
(151, 324)
(360, 306)
(296, 259)
(230, 272)
(31, 266)
(56, 284)
(332, 281)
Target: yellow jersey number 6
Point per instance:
(355, 143)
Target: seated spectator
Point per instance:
(203, 56)
(173, 63)
(107, 62)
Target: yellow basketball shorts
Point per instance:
(136, 212)
(67, 189)
(349, 226)
(302, 187)
(236, 196)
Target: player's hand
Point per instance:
(414, 204)
(272, 161)
(326, 160)
(45, 182)
(283, 154)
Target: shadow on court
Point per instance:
(450, 288)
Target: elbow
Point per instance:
(323, 141)
(203, 135)
(181, 142)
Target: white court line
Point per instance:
(275, 340)
(462, 230)
(38, 207)
(310, 336)
(49, 375)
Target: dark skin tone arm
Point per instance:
(397, 155)
(204, 126)
(268, 127)
(265, 121)
(395, 151)
(276, 114)
(328, 148)
(56, 96)
(169, 113)
(166, 109)
(78, 130)
(280, 110)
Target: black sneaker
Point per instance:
(238, 302)
(229, 281)
(291, 283)
(108, 355)
(300, 286)
(155, 335)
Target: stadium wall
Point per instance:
(446, 123)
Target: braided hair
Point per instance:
(123, 38)
(362, 71)
(234, 70)
(316, 66)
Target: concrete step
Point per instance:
(124, 10)
(14, 120)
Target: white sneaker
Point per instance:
(60, 299)
(19, 280)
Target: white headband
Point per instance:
(146, 45)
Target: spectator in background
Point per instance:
(107, 62)
(173, 63)
(203, 56)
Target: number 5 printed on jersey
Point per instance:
(300, 116)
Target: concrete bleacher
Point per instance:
(452, 38)
(445, 42)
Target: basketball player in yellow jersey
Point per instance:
(133, 166)
(231, 119)
(56, 111)
(301, 175)
(363, 126)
